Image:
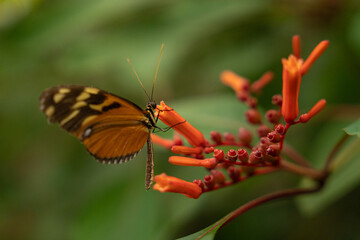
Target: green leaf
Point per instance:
(207, 233)
(340, 182)
(353, 129)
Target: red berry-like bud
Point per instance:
(273, 116)
(219, 154)
(253, 116)
(177, 140)
(251, 102)
(208, 150)
(216, 137)
(277, 100)
(263, 130)
(245, 136)
(274, 137)
(234, 173)
(280, 129)
(229, 137)
(219, 177)
(232, 155)
(273, 150)
(209, 181)
(255, 157)
(242, 96)
(199, 183)
(265, 141)
(243, 156)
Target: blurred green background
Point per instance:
(51, 188)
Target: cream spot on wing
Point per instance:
(79, 105)
(58, 97)
(88, 119)
(87, 132)
(64, 90)
(69, 117)
(91, 90)
(50, 111)
(83, 96)
(97, 107)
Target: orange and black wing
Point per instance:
(113, 129)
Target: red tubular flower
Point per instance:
(318, 50)
(186, 150)
(166, 143)
(296, 46)
(235, 81)
(291, 87)
(185, 161)
(166, 183)
(171, 118)
(314, 111)
(262, 82)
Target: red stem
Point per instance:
(263, 199)
(269, 197)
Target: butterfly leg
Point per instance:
(149, 175)
(167, 128)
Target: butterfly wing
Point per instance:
(113, 129)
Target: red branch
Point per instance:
(263, 199)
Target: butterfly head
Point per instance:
(152, 104)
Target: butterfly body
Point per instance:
(112, 128)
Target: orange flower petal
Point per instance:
(291, 88)
(318, 50)
(171, 118)
(166, 183)
(314, 111)
(235, 81)
(296, 44)
(186, 150)
(167, 143)
(185, 161)
(262, 82)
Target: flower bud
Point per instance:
(263, 130)
(242, 96)
(273, 150)
(219, 154)
(219, 177)
(253, 116)
(280, 129)
(243, 156)
(234, 173)
(199, 183)
(216, 137)
(208, 150)
(277, 100)
(251, 102)
(209, 181)
(273, 116)
(255, 157)
(245, 136)
(229, 137)
(177, 139)
(274, 137)
(232, 155)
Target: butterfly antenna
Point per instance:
(157, 69)
(137, 76)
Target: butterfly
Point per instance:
(112, 128)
